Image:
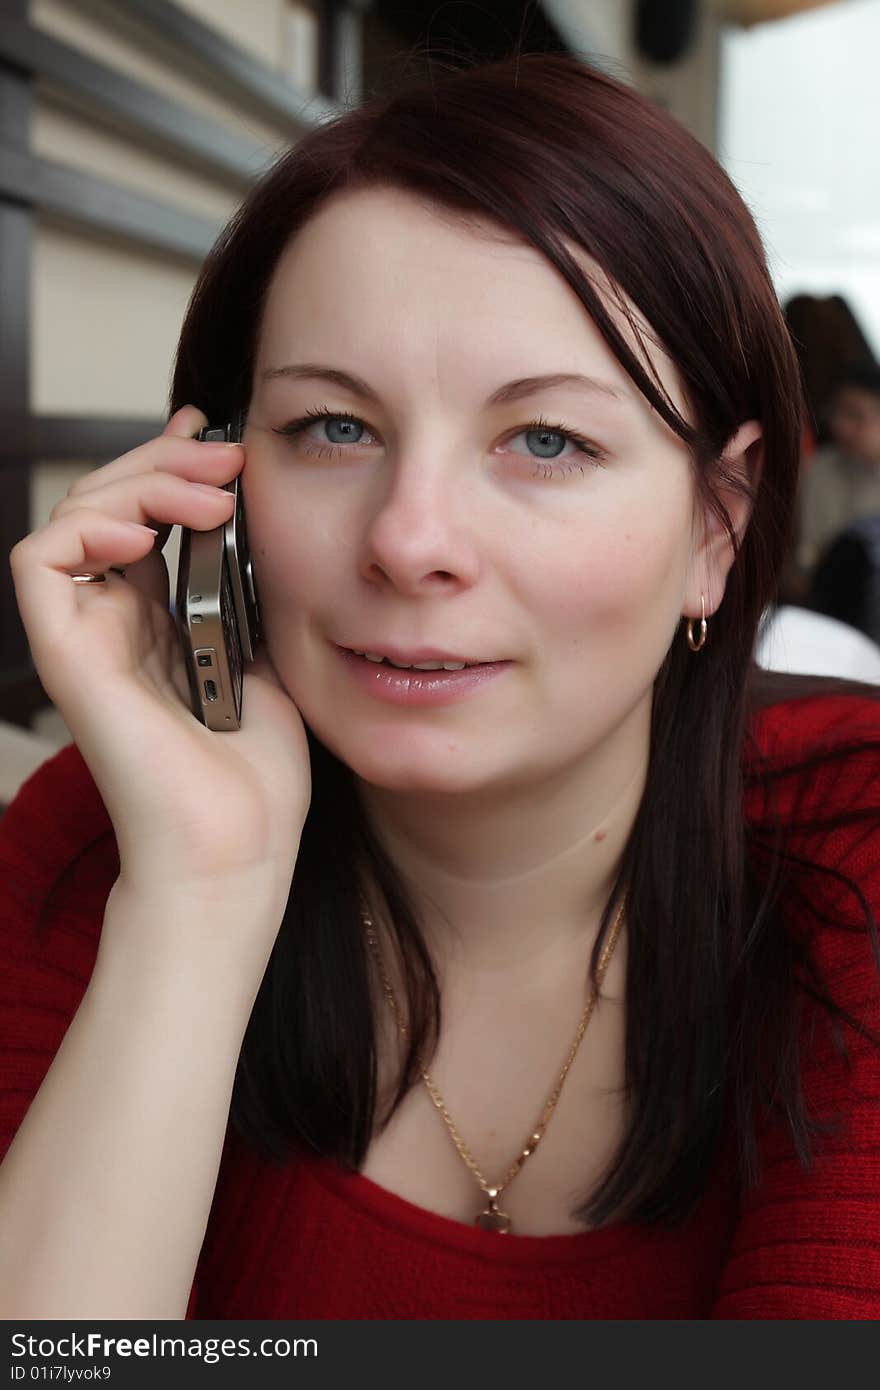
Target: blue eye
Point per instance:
(351, 426)
(551, 464)
(541, 436)
(350, 429)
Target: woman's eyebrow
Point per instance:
(511, 391)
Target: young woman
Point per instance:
(549, 989)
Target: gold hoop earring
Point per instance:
(697, 646)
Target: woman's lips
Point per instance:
(422, 688)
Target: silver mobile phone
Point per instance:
(216, 607)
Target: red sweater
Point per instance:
(308, 1240)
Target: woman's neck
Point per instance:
(513, 877)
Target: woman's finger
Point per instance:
(85, 541)
(155, 497)
(207, 462)
(186, 421)
(175, 450)
(158, 500)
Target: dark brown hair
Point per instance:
(549, 149)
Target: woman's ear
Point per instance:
(741, 460)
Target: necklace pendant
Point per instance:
(492, 1219)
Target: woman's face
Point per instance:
(439, 518)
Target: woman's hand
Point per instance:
(197, 814)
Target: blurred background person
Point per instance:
(840, 483)
(828, 339)
(846, 584)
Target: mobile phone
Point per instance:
(216, 607)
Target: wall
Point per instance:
(105, 315)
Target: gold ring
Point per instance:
(98, 578)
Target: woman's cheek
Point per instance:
(615, 606)
(289, 554)
(600, 578)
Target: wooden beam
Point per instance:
(193, 47)
(149, 116)
(16, 225)
(27, 439)
(103, 207)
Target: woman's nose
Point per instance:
(421, 530)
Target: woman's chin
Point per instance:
(401, 776)
(424, 770)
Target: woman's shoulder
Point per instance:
(792, 714)
(806, 1239)
(812, 791)
(811, 741)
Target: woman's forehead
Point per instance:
(382, 266)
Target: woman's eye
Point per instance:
(549, 443)
(335, 433)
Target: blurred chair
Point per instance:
(800, 641)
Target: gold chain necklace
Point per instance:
(492, 1218)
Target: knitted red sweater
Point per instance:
(308, 1240)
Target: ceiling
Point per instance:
(760, 11)
(492, 27)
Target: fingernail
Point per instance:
(209, 487)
